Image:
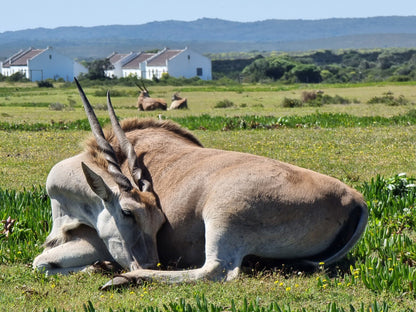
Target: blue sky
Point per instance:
(56, 13)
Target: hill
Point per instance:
(215, 35)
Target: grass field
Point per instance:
(379, 274)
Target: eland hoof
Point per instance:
(118, 281)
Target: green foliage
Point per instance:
(273, 68)
(31, 210)
(214, 123)
(17, 76)
(56, 106)
(307, 73)
(288, 102)
(202, 305)
(224, 104)
(45, 84)
(96, 69)
(102, 92)
(231, 68)
(313, 98)
(335, 66)
(387, 253)
(389, 99)
(323, 120)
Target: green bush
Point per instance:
(224, 104)
(288, 102)
(56, 106)
(389, 99)
(45, 84)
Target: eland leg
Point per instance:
(222, 263)
(79, 253)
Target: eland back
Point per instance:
(218, 207)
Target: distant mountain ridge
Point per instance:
(216, 35)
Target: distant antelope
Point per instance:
(178, 102)
(146, 103)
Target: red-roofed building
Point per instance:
(41, 64)
(177, 63)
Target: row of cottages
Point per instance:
(41, 64)
(177, 63)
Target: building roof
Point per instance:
(163, 56)
(21, 57)
(115, 57)
(135, 62)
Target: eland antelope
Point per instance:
(218, 207)
(178, 102)
(146, 103)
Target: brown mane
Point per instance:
(131, 124)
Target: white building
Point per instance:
(41, 64)
(177, 63)
(117, 61)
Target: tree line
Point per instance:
(326, 66)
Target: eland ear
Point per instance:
(97, 183)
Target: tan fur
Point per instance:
(129, 125)
(146, 103)
(178, 102)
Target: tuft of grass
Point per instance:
(31, 212)
(389, 99)
(287, 102)
(56, 106)
(224, 104)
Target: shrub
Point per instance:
(318, 98)
(389, 99)
(17, 76)
(287, 102)
(399, 78)
(56, 106)
(71, 103)
(308, 96)
(102, 92)
(100, 106)
(224, 104)
(45, 84)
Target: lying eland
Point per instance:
(178, 102)
(147, 103)
(220, 206)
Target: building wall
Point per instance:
(155, 71)
(189, 64)
(8, 71)
(51, 65)
(133, 73)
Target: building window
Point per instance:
(50, 56)
(189, 57)
(199, 71)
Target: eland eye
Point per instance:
(126, 213)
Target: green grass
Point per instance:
(364, 145)
(215, 123)
(379, 269)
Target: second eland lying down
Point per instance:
(148, 191)
(147, 103)
(178, 102)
